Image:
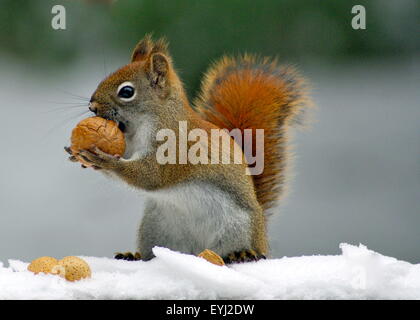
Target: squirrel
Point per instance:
(193, 207)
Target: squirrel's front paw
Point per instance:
(96, 158)
(99, 159)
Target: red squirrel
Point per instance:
(193, 207)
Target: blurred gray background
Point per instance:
(357, 176)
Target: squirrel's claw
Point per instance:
(243, 256)
(68, 150)
(72, 158)
(128, 256)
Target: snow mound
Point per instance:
(358, 273)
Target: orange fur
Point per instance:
(255, 93)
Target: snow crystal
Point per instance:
(358, 273)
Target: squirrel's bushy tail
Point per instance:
(256, 93)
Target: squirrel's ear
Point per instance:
(142, 49)
(158, 70)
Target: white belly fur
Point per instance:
(196, 217)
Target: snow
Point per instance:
(358, 273)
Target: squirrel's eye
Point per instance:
(126, 91)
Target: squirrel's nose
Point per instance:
(93, 107)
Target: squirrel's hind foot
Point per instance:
(128, 256)
(243, 256)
